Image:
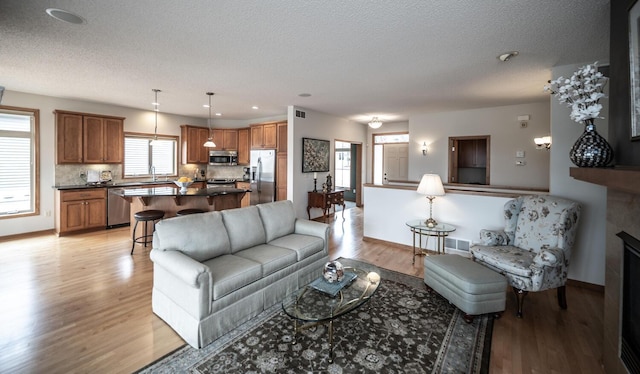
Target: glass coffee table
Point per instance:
(309, 307)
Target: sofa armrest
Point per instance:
(181, 266)
(549, 257)
(313, 228)
(493, 237)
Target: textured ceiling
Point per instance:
(356, 58)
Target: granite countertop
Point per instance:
(176, 191)
(115, 185)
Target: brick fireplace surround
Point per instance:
(623, 214)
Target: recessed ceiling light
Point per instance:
(304, 94)
(205, 105)
(65, 16)
(508, 55)
(218, 114)
(254, 107)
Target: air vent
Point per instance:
(300, 114)
(457, 244)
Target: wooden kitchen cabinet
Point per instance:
(102, 140)
(193, 138)
(246, 199)
(472, 153)
(68, 138)
(230, 142)
(88, 138)
(281, 176)
(81, 209)
(243, 146)
(281, 162)
(264, 136)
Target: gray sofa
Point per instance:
(215, 270)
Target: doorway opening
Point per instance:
(348, 170)
(390, 157)
(469, 159)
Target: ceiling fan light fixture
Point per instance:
(375, 123)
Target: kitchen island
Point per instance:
(172, 199)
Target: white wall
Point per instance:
(387, 210)
(507, 137)
(588, 255)
(136, 121)
(315, 125)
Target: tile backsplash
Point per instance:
(75, 174)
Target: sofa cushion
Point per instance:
(199, 236)
(244, 228)
(230, 273)
(271, 257)
(278, 218)
(303, 245)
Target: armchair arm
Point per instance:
(493, 237)
(549, 257)
(181, 266)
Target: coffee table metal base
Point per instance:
(303, 326)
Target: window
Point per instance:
(19, 179)
(142, 159)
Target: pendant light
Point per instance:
(209, 143)
(155, 108)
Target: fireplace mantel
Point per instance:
(625, 179)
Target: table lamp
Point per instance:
(431, 185)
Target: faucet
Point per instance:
(153, 173)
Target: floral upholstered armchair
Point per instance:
(534, 249)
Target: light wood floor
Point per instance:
(82, 304)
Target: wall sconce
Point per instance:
(544, 142)
(424, 148)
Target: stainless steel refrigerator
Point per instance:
(263, 173)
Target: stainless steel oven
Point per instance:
(223, 158)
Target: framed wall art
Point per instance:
(634, 68)
(315, 155)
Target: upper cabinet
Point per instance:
(243, 146)
(264, 136)
(193, 150)
(225, 139)
(88, 138)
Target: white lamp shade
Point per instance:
(431, 185)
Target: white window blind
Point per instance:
(17, 171)
(140, 156)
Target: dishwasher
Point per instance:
(118, 209)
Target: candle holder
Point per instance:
(315, 187)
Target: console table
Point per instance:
(324, 201)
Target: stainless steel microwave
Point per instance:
(223, 158)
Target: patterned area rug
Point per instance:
(402, 329)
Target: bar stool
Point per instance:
(145, 216)
(184, 212)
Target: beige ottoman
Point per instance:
(473, 288)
